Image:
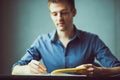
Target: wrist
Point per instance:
(107, 71)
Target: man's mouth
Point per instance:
(60, 24)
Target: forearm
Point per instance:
(20, 70)
(110, 71)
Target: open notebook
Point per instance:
(62, 72)
(66, 70)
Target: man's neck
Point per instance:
(66, 34)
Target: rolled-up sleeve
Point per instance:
(31, 54)
(104, 55)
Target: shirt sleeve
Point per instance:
(31, 54)
(103, 54)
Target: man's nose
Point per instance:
(60, 17)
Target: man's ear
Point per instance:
(74, 11)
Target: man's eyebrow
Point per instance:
(52, 12)
(60, 11)
(65, 10)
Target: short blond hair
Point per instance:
(70, 2)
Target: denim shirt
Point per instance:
(83, 48)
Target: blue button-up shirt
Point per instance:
(83, 48)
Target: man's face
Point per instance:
(62, 15)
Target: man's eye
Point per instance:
(54, 14)
(64, 13)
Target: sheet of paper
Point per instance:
(62, 74)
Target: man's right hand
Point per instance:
(34, 67)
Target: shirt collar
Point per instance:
(54, 35)
(77, 33)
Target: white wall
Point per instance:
(97, 16)
(117, 29)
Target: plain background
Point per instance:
(21, 21)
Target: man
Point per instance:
(67, 47)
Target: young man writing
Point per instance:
(67, 47)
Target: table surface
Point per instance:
(54, 77)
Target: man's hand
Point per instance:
(34, 67)
(90, 70)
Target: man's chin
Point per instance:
(63, 29)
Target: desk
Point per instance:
(20, 77)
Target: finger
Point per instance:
(88, 65)
(41, 66)
(34, 65)
(34, 71)
(90, 69)
(90, 74)
(34, 68)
